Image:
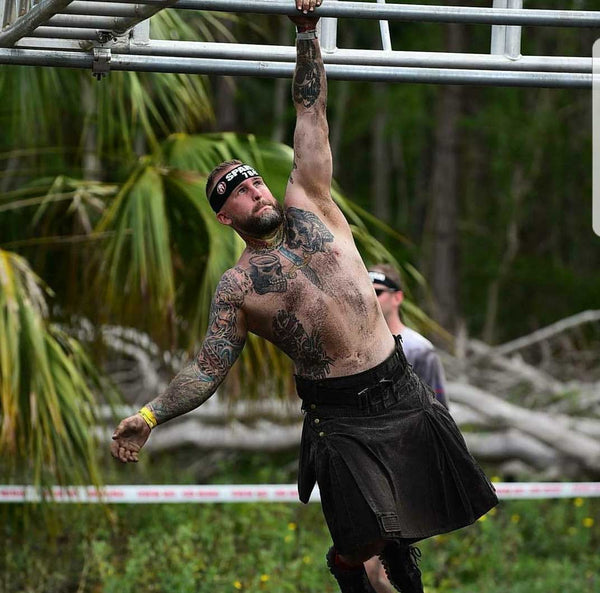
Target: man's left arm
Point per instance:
(311, 176)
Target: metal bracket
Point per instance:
(101, 64)
(105, 36)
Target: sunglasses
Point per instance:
(380, 291)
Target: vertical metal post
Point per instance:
(512, 46)
(498, 32)
(8, 13)
(328, 33)
(384, 27)
(24, 6)
(140, 34)
(506, 39)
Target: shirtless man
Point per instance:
(302, 285)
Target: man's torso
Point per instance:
(311, 296)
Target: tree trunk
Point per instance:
(338, 122)
(443, 268)
(226, 113)
(281, 97)
(91, 165)
(380, 164)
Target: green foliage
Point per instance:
(136, 267)
(47, 407)
(111, 120)
(522, 547)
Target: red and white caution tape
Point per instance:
(257, 493)
(517, 490)
(155, 494)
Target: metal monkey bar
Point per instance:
(106, 35)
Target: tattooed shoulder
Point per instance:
(225, 335)
(307, 231)
(233, 287)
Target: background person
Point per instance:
(419, 351)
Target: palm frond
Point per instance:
(47, 409)
(135, 279)
(196, 24)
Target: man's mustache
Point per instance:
(261, 205)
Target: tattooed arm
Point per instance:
(222, 345)
(312, 172)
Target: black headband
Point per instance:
(381, 278)
(228, 183)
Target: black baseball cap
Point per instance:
(378, 277)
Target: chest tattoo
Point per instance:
(305, 234)
(267, 274)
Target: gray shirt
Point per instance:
(421, 354)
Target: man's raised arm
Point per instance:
(194, 384)
(312, 171)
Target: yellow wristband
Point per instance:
(148, 415)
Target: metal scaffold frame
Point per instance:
(105, 35)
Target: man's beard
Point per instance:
(263, 225)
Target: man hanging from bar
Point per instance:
(391, 465)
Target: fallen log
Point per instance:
(542, 426)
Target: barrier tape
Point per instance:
(256, 493)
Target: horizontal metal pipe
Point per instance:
(358, 57)
(101, 8)
(45, 43)
(83, 21)
(145, 2)
(65, 33)
(35, 18)
(25, 24)
(143, 12)
(285, 70)
(361, 57)
(409, 12)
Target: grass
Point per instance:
(545, 546)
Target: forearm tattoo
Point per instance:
(309, 76)
(222, 345)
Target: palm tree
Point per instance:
(46, 379)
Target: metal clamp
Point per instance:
(101, 64)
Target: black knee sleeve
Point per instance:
(350, 580)
(400, 563)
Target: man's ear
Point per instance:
(224, 218)
(399, 297)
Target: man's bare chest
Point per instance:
(305, 257)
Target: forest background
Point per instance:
(481, 195)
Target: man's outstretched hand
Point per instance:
(128, 438)
(306, 7)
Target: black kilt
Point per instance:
(389, 460)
